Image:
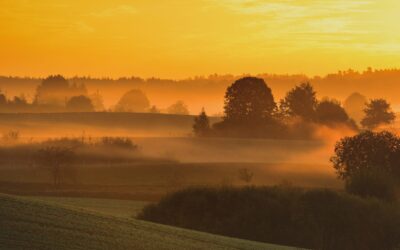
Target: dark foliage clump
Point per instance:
(377, 112)
(369, 164)
(315, 219)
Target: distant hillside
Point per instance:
(91, 124)
(30, 224)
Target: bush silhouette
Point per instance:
(314, 219)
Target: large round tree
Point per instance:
(248, 99)
(369, 163)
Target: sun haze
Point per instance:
(181, 38)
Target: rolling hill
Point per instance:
(31, 224)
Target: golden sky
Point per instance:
(181, 38)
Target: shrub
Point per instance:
(117, 142)
(317, 219)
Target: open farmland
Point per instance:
(32, 224)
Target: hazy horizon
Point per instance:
(198, 37)
(206, 75)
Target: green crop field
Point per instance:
(27, 223)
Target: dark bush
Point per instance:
(316, 219)
(375, 183)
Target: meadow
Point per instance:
(29, 223)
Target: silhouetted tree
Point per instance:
(201, 126)
(247, 100)
(3, 99)
(249, 110)
(377, 112)
(369, 163)
(80, 104)
(301, 101)
(330, 112)
(354, 106)
(178, 108)
(56, 160)
(133, 101)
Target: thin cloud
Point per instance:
(116, 11)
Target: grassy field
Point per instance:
(113, 207)
(32, 224)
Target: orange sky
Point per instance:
(181, 38)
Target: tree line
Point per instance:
(57, 94)
(250, 110)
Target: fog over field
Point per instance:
(199, 124)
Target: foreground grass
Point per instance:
(31, 224)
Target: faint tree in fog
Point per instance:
(57, 160)
(80, 104)
(55, 90)
(154, 110)
(354, 106)
(178, 108)
(301, 101)
(369, 163)
(133, 101)
(97, 101)
(247, 100)
(377, 112)
(201, 126)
